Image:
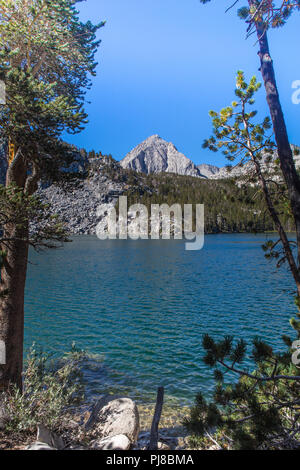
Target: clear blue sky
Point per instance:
(163, 64)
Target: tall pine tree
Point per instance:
(47, 56)
(258, 15)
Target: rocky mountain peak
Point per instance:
(156, 155)
(153, 138)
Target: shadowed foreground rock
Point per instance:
(113, 416)
(113, 424)
(46, 440)
(119, 442)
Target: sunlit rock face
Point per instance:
(208, 171)
(155, 155)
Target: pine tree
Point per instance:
(260, 15)
(261, 409)
(274, 13)
(47, 56)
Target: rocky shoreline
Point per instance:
(112, 423)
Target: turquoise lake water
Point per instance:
(143, 306)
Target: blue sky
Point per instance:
(163, 64)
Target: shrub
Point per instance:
(51, 390)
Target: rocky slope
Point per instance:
(81, 202)
(209, 171)
(155, 155)
(239, 171)
(154, 172)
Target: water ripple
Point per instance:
(145, 305)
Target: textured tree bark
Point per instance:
(282, 234)
(285, 153)
(13, 278)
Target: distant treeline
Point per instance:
(230, 205)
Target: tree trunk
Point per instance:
(13, 278)
(285, 153)
(153, 444)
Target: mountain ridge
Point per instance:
(88, 188)
(156, 155)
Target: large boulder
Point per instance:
(113, 416)
(120, 442)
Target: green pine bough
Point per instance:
(261, 408)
